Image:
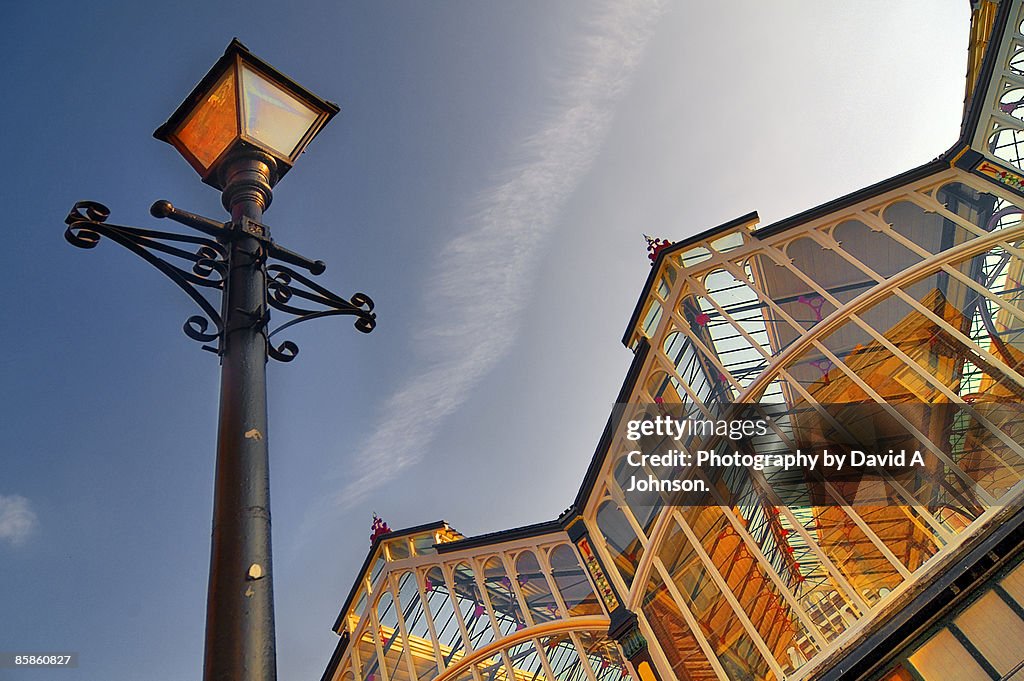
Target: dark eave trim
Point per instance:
(675, 247)
(939, 164)
(604, 444)
(988, 66)
(436, 525)
(524, 532)
(339, 650)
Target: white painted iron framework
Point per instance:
(517, 609)
(908, 291)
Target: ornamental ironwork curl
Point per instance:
(285, 285)
(87, 224)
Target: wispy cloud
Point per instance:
(482, 276)
(17, 521)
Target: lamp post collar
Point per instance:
(248, 179)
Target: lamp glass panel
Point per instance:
(213, 124)
(272, 116)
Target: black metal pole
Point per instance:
(240, 641)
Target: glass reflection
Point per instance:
(213, 125)
(273, 116)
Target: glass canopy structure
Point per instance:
(906, 293)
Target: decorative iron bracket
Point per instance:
(284, 284)
(86, 224)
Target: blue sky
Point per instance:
(487, 183)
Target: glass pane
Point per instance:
(420, 646)
(930, 230)
(741, 303)
(1008, 145)
(564, 658)
(391, 638)
(728, 242)
(674, 635)
(472, 606)
(995, 631)
(213, 124)
(898, 674)
(357, 611)
(694, 256)
(715, 617)
(572, 583)
(943, 657)
(526, 663)
(378, 568)
(368, 655)
(652, 318)
(442, 610)
(271, 115)
(772, 616)
(690, 367)
(397, 550)
(503, 597)
(423, 545)
(536, 591)
(622, 541)
(826, 268)
(886, 257)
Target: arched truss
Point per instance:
(912, 294)
(549, 650)
(522, 609)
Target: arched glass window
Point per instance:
(473, 607)
(572, 582)
(442, 611)
(622, 541)
(390, 637)
(413, 614)
(662, 386)
(535, 588)
(883, 255)
(368, 656)
(502, 596)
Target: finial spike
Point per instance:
(655, 246)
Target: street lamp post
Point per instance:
(241, 129)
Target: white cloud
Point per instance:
(482, 276)
(17, 520)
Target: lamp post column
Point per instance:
(241, 129)
(240, 640)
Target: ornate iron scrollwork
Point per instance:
(86, 225)
(285, 284)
